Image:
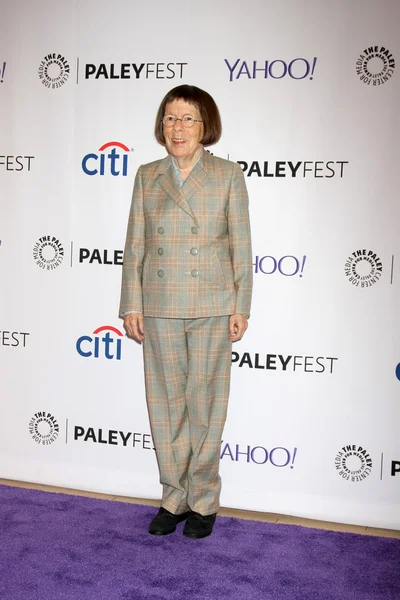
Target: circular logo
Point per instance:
(353, 463)
(398, 371)
(44, 428)
(54, 71)
(375, 65)
(363, 268)
(48, 253)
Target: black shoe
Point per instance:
(198, 526)
(165, 522)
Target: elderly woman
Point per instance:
(186, 293)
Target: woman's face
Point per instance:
(182, 142)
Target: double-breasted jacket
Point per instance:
(188, 249)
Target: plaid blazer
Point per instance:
(188, 249)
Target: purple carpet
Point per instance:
(55, 546)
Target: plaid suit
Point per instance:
(163, 275)
(187, 267)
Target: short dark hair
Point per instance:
(203, 102)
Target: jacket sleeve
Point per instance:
(131, 288)
(240, 241)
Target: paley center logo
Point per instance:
(286, 363)
(108, 345)
(297, 68)
(375, 65)
(54, 71)
(48, 253)
(317, 169)
(44, 428)
(114, 162)
(363, 268)
(287, 265)
(353, 463)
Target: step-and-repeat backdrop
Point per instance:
(309, 96)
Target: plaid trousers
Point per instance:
(187, 366)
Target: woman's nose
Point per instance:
(178, 125)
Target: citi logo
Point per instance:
(114, 162)
(100, 346)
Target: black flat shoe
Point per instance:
(198, 526)
(165, 522)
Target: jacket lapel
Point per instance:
(194, 182)
(196, 179)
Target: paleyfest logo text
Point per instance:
(297, 68)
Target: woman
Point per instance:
(186, 293)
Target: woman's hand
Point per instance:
(133, 324)
(237, 326)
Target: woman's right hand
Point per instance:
(133, 323)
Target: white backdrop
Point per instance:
(309, 97)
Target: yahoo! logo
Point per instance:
(277, 457)
(95, 347)
(287, 265)
(96, 164)
(298, 68)
(2, 71)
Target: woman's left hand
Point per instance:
(237, 326)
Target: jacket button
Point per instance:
(160, 230)
(195, 273)
(194, 230)
(194, 251)
(160, 251)
(160, 273)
